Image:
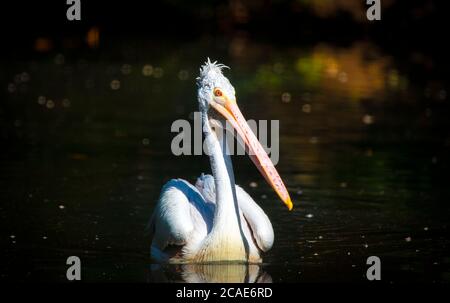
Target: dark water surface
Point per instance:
(364, 152)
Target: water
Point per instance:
(86, 149)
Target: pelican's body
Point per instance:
(186, 217)
(215, 220)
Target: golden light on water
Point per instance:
(93, 37)
(50, 104)
(43, 45)
(115, 84)
(330, 8)
(147, 70)
(306, 108)
(368, 119)
(349, 72)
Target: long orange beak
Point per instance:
(231, 112)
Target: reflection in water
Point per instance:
(210, 273)
(357, 72)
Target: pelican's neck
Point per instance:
(222, 169)
(226, 241)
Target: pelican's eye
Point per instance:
(218, 93)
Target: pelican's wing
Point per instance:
(181, 215)
(256, 218)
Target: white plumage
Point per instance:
(215, 220)
(185, 217)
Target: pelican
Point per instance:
(215, 220)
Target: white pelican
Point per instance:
(215, 220)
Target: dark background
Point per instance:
(77, 179)
(407, 27)
(405, 24)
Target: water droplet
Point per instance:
(41, 100)
(50, 104)
(309, 216)
(313, 140)
(286, 97)
(145, 141)
(306, 108)
(408, 239)
(367, 119)
(115, 84)
(147, 70)
(24, 77)
(158, 72)
(253, 184)
(183, 75)
(61, 206)
(126, 69)
(66, 102)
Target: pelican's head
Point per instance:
(213, 86)
(215, 93)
